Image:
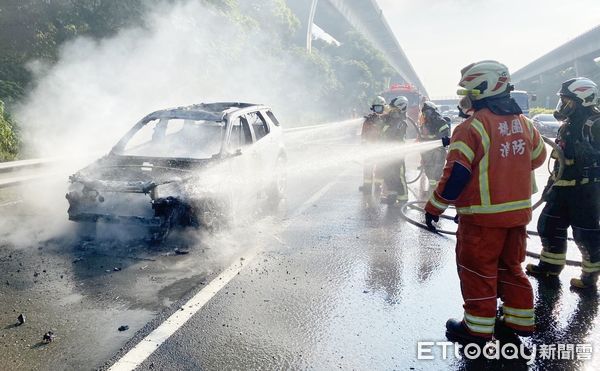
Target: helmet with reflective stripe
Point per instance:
(484, 79)
(400, 102)
(581, 89)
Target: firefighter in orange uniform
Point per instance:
(395, 189)
(489, 178)
(370, 134)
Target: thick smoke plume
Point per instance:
(186, 53)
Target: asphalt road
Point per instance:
(333, 280)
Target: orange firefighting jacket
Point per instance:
(501, 153)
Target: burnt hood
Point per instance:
(136, 174)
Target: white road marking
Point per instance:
(315, 197)
(138, 354)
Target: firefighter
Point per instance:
(395, 189)
(488, 177)
(574, 200)
(433, 127)
(370, 134)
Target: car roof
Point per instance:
(202, 111)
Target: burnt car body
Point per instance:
(184, 167)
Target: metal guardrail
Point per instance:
(14, 181)
(8, 178)
(25, 164)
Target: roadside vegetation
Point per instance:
(9, 143)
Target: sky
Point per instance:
(440, 37)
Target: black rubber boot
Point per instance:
(508, 335)
(389, 199)
(457, 331)
(587, 281)
(543, 269)
(366, 189)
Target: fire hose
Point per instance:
(561, 160)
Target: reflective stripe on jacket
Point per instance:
(501, 153)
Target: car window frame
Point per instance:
(272, 121)
(119, 148)
(230, 121)
(262, 117)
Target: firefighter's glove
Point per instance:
(446, 141)
(429, 219)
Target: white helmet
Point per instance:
(400, 102)
(378, 105)
(378, 101)
(429, 105)
(484, 79)
(582, 89)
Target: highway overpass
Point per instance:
(578, 53)
(578, 57)
(337, 17)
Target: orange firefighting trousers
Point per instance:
(489, 267)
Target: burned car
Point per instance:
(190, 166)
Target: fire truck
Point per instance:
(414, 102)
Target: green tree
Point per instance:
(9, 144)
(361, 69)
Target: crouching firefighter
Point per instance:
(433, 127)
(395, 189)
(488, 177)
(574, 200)
(370, 134)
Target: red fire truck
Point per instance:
(414, 101)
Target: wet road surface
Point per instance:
(338, 281)
(354, 287)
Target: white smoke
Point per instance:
(185, 53)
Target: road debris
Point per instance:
(48, 337)
(179, 251)
(123, 328)
(21, 319)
